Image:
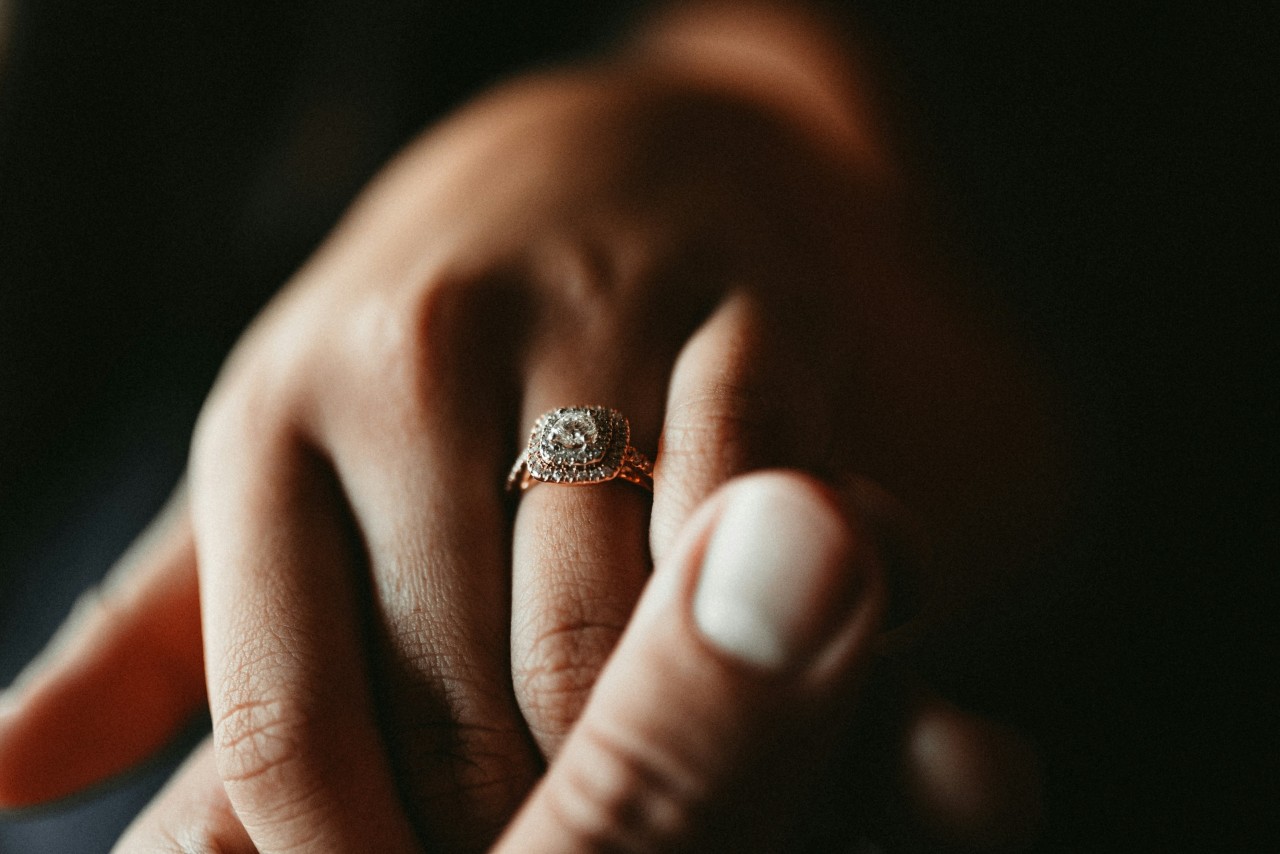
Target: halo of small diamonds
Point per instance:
(578, 444)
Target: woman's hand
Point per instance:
(390, 654)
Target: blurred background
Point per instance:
(164, 167)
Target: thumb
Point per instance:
(736, 674)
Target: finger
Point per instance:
(121, 677)
(191, 813)
(741, 399)
(738, 400)
(917, 773)
(580, 557)
(420, 444)
(904, 550)
(967, 783)
(294, 734)
(737, 671)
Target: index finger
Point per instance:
(294, 734)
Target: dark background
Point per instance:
(163, 168)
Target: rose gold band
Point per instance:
(580, 446)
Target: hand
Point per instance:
(627, 236)
(722, 721)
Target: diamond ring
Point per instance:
(580, 445)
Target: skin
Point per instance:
(393, 651)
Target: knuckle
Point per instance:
(259, 381)
(554, 678)
(385, 329)
(626, 792)
(408, 343)
(240, 406)
(259, 743)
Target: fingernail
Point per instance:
(775, 577)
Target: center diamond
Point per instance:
(574, 431)
(577, 444)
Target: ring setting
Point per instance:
(579, 446)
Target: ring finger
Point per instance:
(580, 557)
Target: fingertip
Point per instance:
(972, 782)
(777, 577)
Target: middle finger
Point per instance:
(420, 455)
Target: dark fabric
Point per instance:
(163, 167)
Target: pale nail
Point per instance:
(775, 578)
